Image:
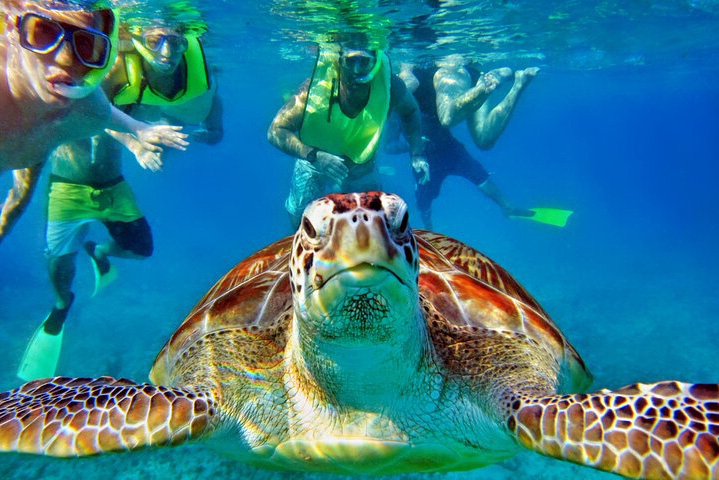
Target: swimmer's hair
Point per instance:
(105, 14)
(354, 41)
(11, 4)
(127, 30)
(7, 7)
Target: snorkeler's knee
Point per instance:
(134, 237)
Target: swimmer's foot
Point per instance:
(523, 77)
(518, 212)
(103, 264)
(492, 79)
(43, 350)
(55, 320)
(104, 271)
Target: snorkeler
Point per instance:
(165, 76)
(87, 184)
(445, 98)
(52, 59)
(334, 123)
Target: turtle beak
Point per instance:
(361, 252)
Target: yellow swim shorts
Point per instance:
(69, 202)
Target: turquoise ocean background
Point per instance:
(621, 125)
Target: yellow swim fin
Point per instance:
(41, 355)
(550, 216)
(43, 351)
(104, 271)
(102, 280)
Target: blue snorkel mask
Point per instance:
(150, 44)
(93, 49)
(363, 64)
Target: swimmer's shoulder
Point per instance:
(116, 77)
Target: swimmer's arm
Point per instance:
(455, 100)
(393, 141)
(18, 197)
(284, 130)
(122, 122)
(150, 136)
(406, 106)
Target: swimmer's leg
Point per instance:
(425, 194)
(456, 101)
(43, 350)
(426, 214)
(62, 270)
(486, 125)
(131, 240)
(492, 191)
(63, 239)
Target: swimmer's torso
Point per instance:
(87, 161)
(193, 112)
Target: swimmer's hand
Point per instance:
(421, 169)
(152, 136)
(148, 159)
(332, 166)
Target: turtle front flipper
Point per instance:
(661, 430)
(65, 417)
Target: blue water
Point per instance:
(631, 280)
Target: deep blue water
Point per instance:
(631, 280)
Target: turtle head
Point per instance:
(354, 269)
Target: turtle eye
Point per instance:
(405, 223)
(308, 228)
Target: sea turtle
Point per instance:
(360, 346)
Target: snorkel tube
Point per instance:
(372, 73)
(146, 54)
(92, 80)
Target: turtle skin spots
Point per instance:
(66, 417)
(662, 430)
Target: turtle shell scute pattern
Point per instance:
(467, 290)
(474, 297)
(253, 296)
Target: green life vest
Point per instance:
(324, 124)
(138, 91)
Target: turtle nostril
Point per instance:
(308, 228)
(405, 222)
(354, 218)
(365, 217)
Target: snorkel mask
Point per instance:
(369, 76)
(149, 49)
(91, 81)
(372, 73)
